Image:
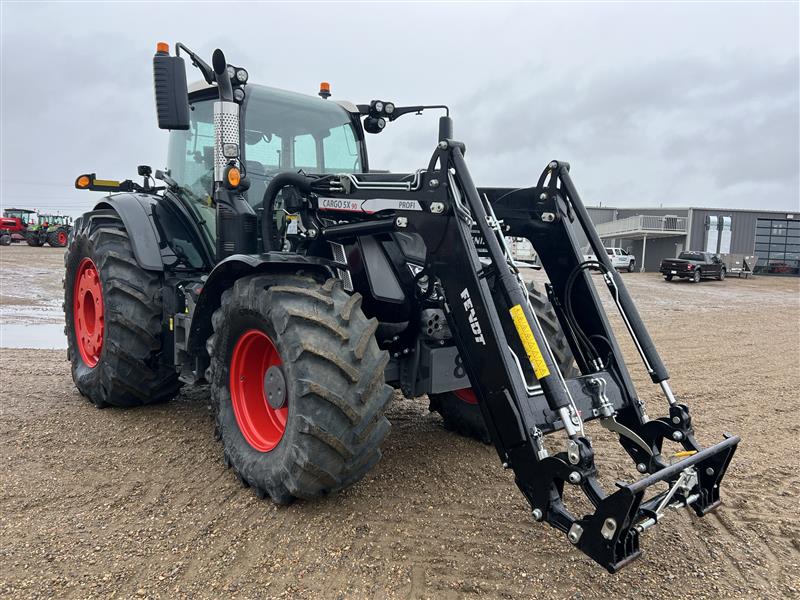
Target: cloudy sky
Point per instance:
(653, 104)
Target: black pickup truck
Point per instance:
(693, 266)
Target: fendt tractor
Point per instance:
(269, 261)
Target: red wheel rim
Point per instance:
(88, 312)
(62, 238)
(466, 395)
(261, 424)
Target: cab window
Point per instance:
(263, 149)
(341, 151)
(190, 161)
(305, 152)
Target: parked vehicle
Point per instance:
(14, 224)
(693, 266)
(49, 229)
(620, 258)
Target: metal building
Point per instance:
(652, 234)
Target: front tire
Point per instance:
(630, 267)
(459, 409)
(721, 276)
(5, 240)
(298, 385)
(113, 312)
(33, 239)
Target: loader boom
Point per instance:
(521, 391)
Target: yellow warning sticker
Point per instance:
(529, 342)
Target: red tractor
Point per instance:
(14, 224)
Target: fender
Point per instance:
(136, 212)
(235, 267)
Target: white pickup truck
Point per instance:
(619, 258)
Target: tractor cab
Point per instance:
(280, 131)
(23, 214)
(52, 220)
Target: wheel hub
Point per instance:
(88, 312)
(275, 387)
(258, 390)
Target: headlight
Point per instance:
(388, 108)
(379, 106)
(238, 94)
(231, 72)
(230, 150)
(374, 124)
(241, 76)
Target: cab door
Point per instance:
(716, 265)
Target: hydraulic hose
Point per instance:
(269, 231)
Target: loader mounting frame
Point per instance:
(521, 392)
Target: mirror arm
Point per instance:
(208, 72)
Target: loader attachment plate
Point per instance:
(610, 536)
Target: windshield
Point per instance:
(20, 214)
(283, 131)
(692, 256)
(286, 131)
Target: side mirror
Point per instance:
(172, 96)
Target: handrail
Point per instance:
(642, 224)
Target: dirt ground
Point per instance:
(121, 503)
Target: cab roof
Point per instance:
(264, 92)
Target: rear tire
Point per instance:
(696, 276)
(58, 238)
(630, 267)
(113, 320)
(721, 276)
(328, 433)
(667, 277)
(459, 409)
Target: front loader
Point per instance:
(273, 264)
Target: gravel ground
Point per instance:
(137, 503)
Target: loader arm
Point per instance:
(521, 392)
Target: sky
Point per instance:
(656, 104)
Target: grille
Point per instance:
(347, 281)
(338, 253)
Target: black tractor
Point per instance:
(269, 261)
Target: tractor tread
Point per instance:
(316, 319)
(364, 339)
(306, 387)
